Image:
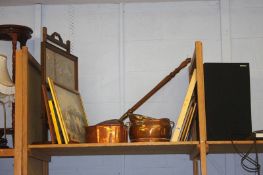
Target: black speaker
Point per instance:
(227, 101)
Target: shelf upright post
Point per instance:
(18, 162)
(28, 116)
(201, 105)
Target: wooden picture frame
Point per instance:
(48, 114)
(192, 112)
(185, 110)
(57, 62)
(71, 114)
(54, 117)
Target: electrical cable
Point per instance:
(246, 158)
(256, 151)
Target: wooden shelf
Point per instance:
(215, 147)
(115, 148)
(7, 152)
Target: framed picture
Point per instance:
(70, 111)
(46, 98)
(57, 62)
(185, 110)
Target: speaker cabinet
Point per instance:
(227, 98)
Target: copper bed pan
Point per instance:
(142, 128)
(148, 129)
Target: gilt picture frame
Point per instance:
(70, 111)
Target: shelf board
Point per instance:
(216, 147)
(115, 148)
(9, 152)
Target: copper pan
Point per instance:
(111, 131)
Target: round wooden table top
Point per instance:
(9, 31)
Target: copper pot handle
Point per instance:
(172, 124)
(128, 124)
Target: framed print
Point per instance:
(57, 62)
(70, 111)
(54, 121)
(185, 110)
(48, 115)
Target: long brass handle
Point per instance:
(156, 88)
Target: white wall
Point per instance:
(247, 39)
(124, 50)
(247, 46)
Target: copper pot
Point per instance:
(111, 131)
(147, 129)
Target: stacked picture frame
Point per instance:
(188, 112)
(62, 103)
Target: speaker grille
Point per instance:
(227, 97)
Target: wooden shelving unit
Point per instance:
(33, 159)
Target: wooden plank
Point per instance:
(39, 156)
(203, 157)
(26, 127)
(6, 152)
(195, 166)
(36, 167)
(36, 130)
(115, 148)
(18, 164)
(201, 104)
(217, 147)
(25, 110)
(45, 168)
(239, 142)
(200, 90)
(195, 153)
(33, 121)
